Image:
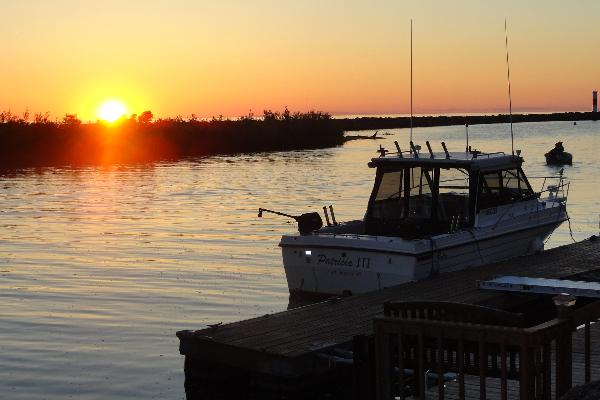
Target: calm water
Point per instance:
(99, 267)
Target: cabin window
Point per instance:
(515, 185)
(503, 187)
(390, 186)
(388, 199)
(453, 197)
(419, 201)
(421, 185)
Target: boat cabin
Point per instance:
(418, 196)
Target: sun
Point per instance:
(111, 110)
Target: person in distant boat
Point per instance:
(558, 156)
(557, 150)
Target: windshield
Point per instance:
(503, 187)
(419, 195)
(388, 202)
(432, 198)
(453, 195)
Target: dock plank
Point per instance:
(295, 333)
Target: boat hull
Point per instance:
(337, 265)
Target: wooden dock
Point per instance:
(306, 345)
(472, 382)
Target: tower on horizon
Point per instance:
(595, 101)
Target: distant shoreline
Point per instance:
(370, 123)
(72, 143)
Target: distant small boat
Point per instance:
(558, 156)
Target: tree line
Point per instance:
(27, 140)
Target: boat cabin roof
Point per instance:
(467, 160)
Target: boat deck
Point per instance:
(285, 343)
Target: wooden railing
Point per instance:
(420, 345)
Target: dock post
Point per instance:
(564, 344)
(364, 367)
(526, 370)
(564, 364)
(382, 351)
(588, 357)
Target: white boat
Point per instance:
(427, 215)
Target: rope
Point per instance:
(476, 244)
(570, 230)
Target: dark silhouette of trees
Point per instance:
(269, 115)
(70, 142)
(41, 118)
(71, 119)
(142, 139)
(8, 116)
(145, 117)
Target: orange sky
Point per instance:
(346, 57)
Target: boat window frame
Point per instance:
(522, 184)
(434, 182)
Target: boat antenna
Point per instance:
(512, 140)
(411, 82)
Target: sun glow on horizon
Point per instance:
(111, 110)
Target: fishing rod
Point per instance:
(307, 223)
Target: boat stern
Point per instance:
(344, 264)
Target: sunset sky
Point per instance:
(181, 57)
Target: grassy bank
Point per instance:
(140, 139)
(71, 142)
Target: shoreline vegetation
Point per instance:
(41, 142)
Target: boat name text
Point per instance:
(361, 262)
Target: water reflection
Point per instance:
(100, 266)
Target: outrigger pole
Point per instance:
(411, 82)
(512, 141)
